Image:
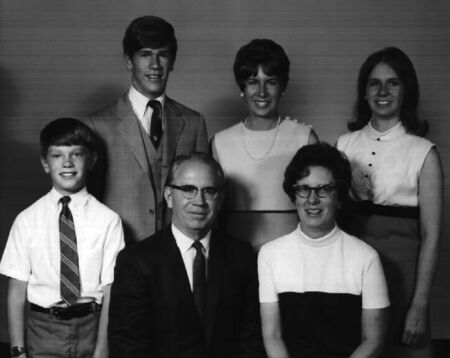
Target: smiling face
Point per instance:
(68, 167)
(317, 215)
(194, 217)
(384, 93)
(150, 70)
(262, 94)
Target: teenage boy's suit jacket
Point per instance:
(152, 310)
(124, 179)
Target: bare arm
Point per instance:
(430, 203)
(17, 297)
(373, 333)
(271, 330)
(101, 347)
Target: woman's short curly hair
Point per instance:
(265, 53)
(318, 155)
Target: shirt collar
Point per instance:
(77, 200)
(323, 241)
(139, 101)
(392, 133)
(184, 242)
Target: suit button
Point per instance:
(152, 212)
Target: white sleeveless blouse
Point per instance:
(254, 168)
(385, 165)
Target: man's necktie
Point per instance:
(199, 274)
(156, 123)
(69, 275)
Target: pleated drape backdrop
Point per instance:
(63, 58)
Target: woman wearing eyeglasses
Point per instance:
(397, 192)
(322, 291)
(254, 152)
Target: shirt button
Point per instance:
(152, 212)
(366, 176)
(373, 153)
(370, 165)
(378, 139)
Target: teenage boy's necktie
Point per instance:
(156, 123)
(199, 274)
(70, 274)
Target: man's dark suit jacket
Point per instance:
(152, 310)
(124, 179)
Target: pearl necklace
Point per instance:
(270, 147)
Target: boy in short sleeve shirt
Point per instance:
(58, 324)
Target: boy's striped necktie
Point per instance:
(70, 274)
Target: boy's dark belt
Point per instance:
(65, 313)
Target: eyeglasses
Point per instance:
(191, 191)
(322, 191)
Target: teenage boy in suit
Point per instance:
(143, 131)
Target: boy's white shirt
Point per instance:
(32, 251)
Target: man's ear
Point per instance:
(45, 165)
(128, 62)
(219, 200)
(168, 196)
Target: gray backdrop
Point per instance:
(63, 58)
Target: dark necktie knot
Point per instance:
(154, 104)
(65, 200)
(197, 245)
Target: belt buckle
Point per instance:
(69, 312)
(62, 313)
(58, 312)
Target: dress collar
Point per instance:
(139, 101)
(77, 200)
(184, 242)
(392, 133)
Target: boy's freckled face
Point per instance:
(68, 167)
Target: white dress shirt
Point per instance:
(139, 104)
(188, 252)
(32, 252)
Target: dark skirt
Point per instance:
(397, 240)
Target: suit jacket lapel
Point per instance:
(215, 274)
(174, 125)
(176, 282)
(128, 126)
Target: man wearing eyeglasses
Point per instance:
(187, 291)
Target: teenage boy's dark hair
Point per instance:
(67, 132)
(152, 32)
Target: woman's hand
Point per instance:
(415, 324)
